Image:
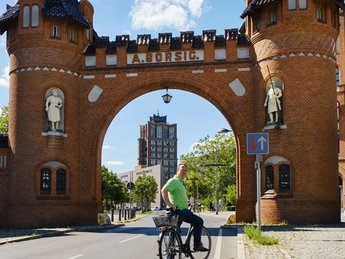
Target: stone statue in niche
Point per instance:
(53, 107)
(273, 103)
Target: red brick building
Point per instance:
(275, 74)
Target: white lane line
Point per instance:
(218, 249)
(129, 239)
(74, 257)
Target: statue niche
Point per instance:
(274, 102)
(54, 109)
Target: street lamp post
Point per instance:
(222, 131)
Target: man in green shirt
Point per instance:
(175, 196)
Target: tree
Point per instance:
(4, 120)
(113, 189)
(145, 190)
(219, 150)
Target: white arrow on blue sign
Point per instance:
(257, 143)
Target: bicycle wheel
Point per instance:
(170, 245)
(206, 241)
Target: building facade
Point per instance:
(157, 144)
(276, 73)
(156, 171)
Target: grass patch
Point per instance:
(254, 233)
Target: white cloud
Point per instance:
(107, 147)
(114, 163)
(175, 14)
(4, 77)
(195, 7)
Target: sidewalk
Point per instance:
(304, 242)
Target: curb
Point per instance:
(59, 233)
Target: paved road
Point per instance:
(135, 240)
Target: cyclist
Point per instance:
(175, 196)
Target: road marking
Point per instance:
(219, 244)
(74, 257)
(129, 239)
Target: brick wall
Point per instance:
(304, 63)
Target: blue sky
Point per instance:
(195, 116)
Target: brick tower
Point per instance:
(46, 51)
(295, 42)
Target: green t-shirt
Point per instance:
(177, 192)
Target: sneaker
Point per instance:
(200, 248)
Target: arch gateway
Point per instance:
(275, 74)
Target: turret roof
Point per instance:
(50, 8)
(257, 3)
(64, 8)
(10, 15)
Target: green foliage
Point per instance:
(4, 120)
(113, 189)
(219, 150)
(254, 233)
(145, 191)
(231, 195)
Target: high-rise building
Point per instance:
(157, 144)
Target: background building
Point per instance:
(155, 171)
(157, 144)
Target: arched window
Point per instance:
(284, 178)
(302, 4)
(292, 4)
(45, 181)
(60, 181)
(53, 181)
(26, 16)
(34, 16)
(269, 178)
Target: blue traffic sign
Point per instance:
(257, 143)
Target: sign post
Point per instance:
(258, 144)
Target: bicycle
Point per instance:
(170, 245)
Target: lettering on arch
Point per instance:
(165, 57)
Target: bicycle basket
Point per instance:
(165, 221)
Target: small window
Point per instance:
(335, 16)
(256, 23)
(269, 178)
(159, 132)
(171, 133)
(26, 16)
(284, 178)
(34, 16)
(60, 181)
(71, 36)
(45, 181)
(292, 5)
(273, 16)
(321, 12)
(302, 4)
(55, 31)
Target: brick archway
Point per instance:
(103, 111)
